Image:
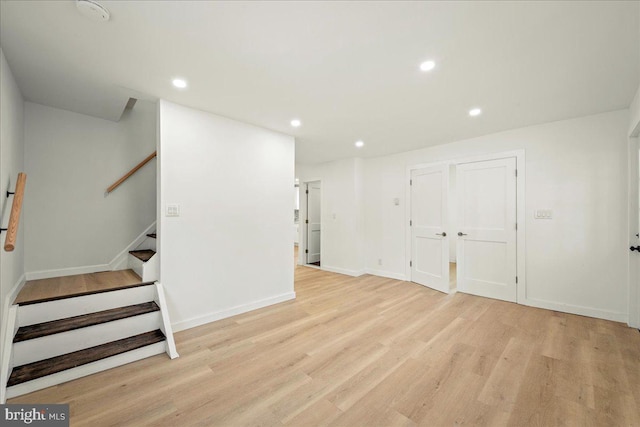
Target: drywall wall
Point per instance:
(71, 159)
(576, 262)
(634, 115)
(11, 163)
(230, 250)
(342, 202)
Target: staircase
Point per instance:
(143, 261)
(61, 338)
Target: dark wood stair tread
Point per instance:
(42, 368)
(69, 324)
(85, 293)
(152, 235)
(144, 255)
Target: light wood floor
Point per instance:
(372, 351)
(70, 285)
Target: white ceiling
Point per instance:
(348, 70)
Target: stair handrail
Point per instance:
(16, 208)
(131, 172)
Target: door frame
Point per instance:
(519, 155)
(302, 242)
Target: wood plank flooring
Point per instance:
(371, 351)
(43, 289)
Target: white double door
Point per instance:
(485, 232)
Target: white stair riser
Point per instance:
(66, 342)
(69, 307)
(88, 369)
(136, 264)
(150, 269)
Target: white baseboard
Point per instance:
(71, 271)
(233, 311)
(576, 309)
(387, 274)
(354, 273)
(120, 261)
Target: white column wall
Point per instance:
(230, 250)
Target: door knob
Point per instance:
(460, 233)
(443, 234)
(635, 248)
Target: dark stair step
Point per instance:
(69, 324)
(85, 293)
(42, 368)
(152, 235)
(144, 255)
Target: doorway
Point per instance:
(313, 223)
(463, 233)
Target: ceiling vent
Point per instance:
(92, 10)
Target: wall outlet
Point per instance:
(173, 210)
(543, 214)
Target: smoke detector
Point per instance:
(92, 10)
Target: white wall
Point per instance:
(577, 261)
(11, 163)
(71, 159)
(342, 215)
(230, 250)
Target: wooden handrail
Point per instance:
(131, 172)
(14, 218)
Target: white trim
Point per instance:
(6, 364)
(120, 261)
(575, 309)
(72, 271)
(233, 311)
(387, 274)
(520, 210)
(302, 215)
(348, 272)
(166, 323)
(633, 267)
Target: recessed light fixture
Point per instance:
(179, 83)
(427, 65)
(359, 144)
(475, 112)
(296, 123)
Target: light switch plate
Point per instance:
(543, 214)
(173, 210)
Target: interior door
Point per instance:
(486, 218)
(429, 245)
(314, 222)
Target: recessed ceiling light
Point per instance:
(179, 83)
(359, 144)
(296, 123)
(475, 112)
(427, 65)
